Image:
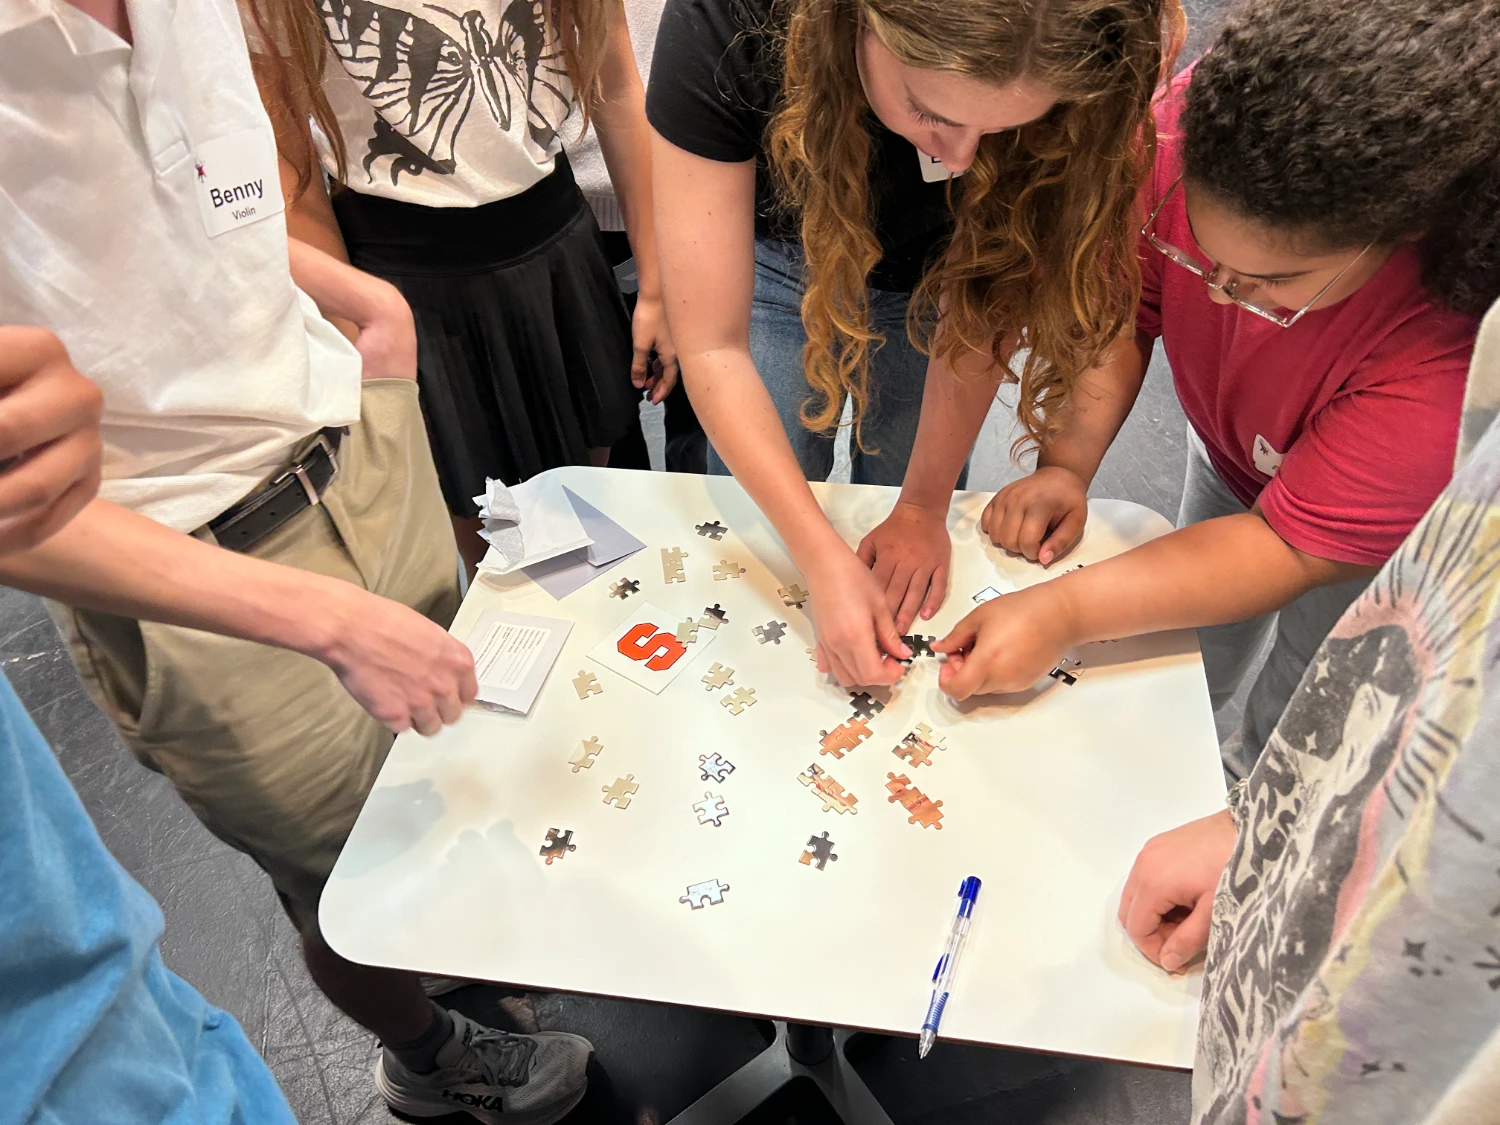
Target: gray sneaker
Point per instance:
(497, 1077)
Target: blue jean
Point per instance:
(1230, 650)
(898, 372)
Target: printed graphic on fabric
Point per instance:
(422, 74)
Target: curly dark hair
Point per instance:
(1356, 121)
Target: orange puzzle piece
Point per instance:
(924, 810)
(841, 739)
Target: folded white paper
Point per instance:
(513, 653)
(527, 523)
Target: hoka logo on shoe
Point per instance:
(476, 1101)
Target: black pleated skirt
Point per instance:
(523, 341)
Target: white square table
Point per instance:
(1046, 795)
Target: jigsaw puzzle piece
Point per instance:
(710, 892)
(926, 812)
(671, 564)
(588, 750)
(557, 845)
(586, 684)
(620, 792)
(715, 767)
(771, 631)
(821, 851)
(827, 790)
(714, 530)
(718, 676)
(792, 596)
(843, 738)
(901, 790)
(918, 746)
(711, 810)
(739, 700)
(726, 568)
(624, 588)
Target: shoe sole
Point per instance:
(397, 1102)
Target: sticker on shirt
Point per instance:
(934, 171)
(1267, 460)
(239, 180)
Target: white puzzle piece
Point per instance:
(645, 649)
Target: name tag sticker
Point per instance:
(239, 180)
(933, 170)
(1267, 460)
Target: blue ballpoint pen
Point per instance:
(942, 976)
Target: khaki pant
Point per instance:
(264, 744)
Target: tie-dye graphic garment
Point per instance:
(1353, 973)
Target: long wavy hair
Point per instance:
(1345, 124)
(1042, 261)
(289, 49)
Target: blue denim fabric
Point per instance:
(94, 1029)
(898, 372)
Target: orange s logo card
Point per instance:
(659, 650)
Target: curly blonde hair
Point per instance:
(1042, 259)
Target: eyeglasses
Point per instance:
(1230, 288)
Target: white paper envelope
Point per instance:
(547, 526)
(513, 653)
(645, 650)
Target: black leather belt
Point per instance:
(296, 488)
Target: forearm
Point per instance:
(1099, 405)
(340, 290)
(625, 142)
(111, 559)
(1222, 570)
(955, 401)
(310, 219)
(741, 422)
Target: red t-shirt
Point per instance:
(1362, 398)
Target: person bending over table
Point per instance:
(1346, 898)
(1316, 252)
(800, 235)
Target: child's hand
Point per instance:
(1005, 645)
(1040, 516)
(1169, 896)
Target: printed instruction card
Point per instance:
(513, 654)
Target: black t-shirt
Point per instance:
(715, 77)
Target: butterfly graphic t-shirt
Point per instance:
(452, 104)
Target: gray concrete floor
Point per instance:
(226, 934)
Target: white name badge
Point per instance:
(933, 169)
(1266, 459)
(239, 180)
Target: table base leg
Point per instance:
(734, 1098)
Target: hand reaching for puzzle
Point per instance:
(1041, 516)
(1006, 644)
(908, 552)
(858, 642)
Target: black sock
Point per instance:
(420, 1055)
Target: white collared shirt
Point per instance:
(141, 220)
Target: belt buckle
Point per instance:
(299, 470)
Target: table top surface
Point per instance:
(1046, 795)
